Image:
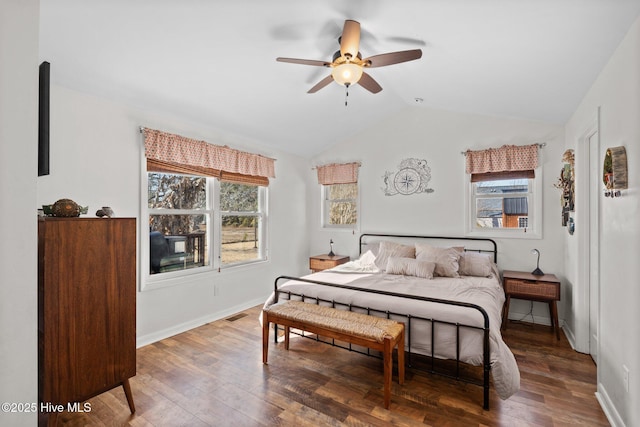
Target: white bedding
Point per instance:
(485, 292)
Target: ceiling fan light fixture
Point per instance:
(347, 65)
(347, 73)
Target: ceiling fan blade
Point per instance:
(406, 40)
(304, 61)
(393, 58)
(367, 82)
(322, 83)
(350, 39)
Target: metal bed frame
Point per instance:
(410, 319)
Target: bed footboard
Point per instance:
(486, 363)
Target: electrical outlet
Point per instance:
(625, 378)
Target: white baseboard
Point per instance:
(571, 336)
(141, 341)
(608, 407)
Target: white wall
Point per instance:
(96, 161)
(19, 21)
(440, 137)
(617, 93)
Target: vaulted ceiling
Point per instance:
(213, 62)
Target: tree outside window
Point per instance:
(178, 218)
(340, 205)
(241, 223)
(183, 223)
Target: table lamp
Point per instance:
(537, 271)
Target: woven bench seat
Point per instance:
(356, 328)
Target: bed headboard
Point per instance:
(470, 244)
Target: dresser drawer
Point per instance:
(542, 290)
(321, 264)
(324, 262)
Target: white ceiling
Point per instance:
(213, 62)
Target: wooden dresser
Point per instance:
(86, 309)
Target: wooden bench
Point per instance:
(368, 331)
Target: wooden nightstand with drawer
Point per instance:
(521, 285)
(324, 262)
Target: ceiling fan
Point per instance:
(348, 65)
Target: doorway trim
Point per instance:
(584, 162)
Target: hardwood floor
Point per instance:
(214, 376)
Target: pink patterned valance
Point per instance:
(334, 173)
(508, 158)
(175, 149)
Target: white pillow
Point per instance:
(475, 264)
(367, 258)
(446, 259)
(410, 267)
(389, 249)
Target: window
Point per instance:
(339, 194)
(504, 192)
(242, 220)
(206, 207)
(184, 226)
(340, 205)
(505, 208)
(178, 217)
(501, 203)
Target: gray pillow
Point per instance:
(475, 264)
(446, 259)
(388, 249)
(410, 267)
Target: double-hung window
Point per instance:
(180, 215)
(339, 194)
(243, 220)
(504, 193)
(340, 205)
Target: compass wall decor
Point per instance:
(412, 177)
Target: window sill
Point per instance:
(150, 283)
(334, 228)
(241, 265)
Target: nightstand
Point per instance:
(323, 262)
(521, 285)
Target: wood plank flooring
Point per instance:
(214, 376)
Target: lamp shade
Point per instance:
(347, 73)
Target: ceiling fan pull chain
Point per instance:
(346, 95)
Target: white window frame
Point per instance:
(534, 200)
(324, 205)
(261, 214)
(213, 237)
